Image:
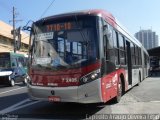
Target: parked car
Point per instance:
(13, 68)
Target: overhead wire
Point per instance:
(44, 13)
(47, 8)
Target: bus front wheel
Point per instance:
(119, 91)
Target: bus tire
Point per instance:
(119, 91)
(12, 83)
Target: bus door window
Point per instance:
(108, 48)
(133, 54)
(115, 40)
(137, 55)
(140, 58)
(122, 53)
(129, 61)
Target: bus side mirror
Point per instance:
(28, 28)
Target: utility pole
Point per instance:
(14, 30)
(14, 34)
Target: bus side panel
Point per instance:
(109, 84)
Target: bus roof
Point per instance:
(106, 15)
(96, 12)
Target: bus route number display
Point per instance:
(60, 26)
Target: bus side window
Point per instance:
(122, 53)
(109, 49)
(108, 42)
(137, 55)
(133, 53)
(115, 39)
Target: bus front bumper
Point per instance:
(87, 93)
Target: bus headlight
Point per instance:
(90, 77)
(93, 76)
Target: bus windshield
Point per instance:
(65, 44)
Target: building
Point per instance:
(6, 39)
(148, 38)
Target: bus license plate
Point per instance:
(54, 98)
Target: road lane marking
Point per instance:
(18, 105)
(11, 90)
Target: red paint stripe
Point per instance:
(61, 78)
(109, 84)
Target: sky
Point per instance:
(133, 14)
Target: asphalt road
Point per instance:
(140, 100)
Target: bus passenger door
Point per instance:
(129, 62)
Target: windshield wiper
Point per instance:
(81, 32)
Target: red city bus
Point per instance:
(83, 57)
